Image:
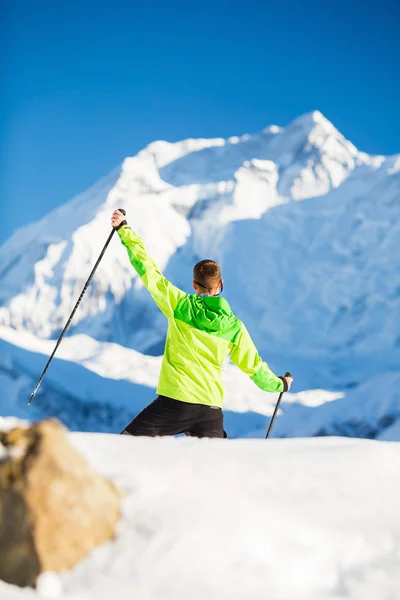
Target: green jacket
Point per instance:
(202, 331)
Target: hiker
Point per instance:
(202, 331)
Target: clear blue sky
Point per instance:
(84, 84)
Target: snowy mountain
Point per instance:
(284, 520)
(305, 226)
(101, 386)
(286, 209)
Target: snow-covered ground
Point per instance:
(306, 519)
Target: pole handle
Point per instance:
(124, 222)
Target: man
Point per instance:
(202, 331)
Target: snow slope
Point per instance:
(99, 386)
(283, 519)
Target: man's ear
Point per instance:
(194, 286)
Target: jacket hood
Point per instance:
(213, 314)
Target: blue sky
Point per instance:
(86, 83)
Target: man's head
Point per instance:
(207, 278)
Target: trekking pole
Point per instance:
(75, 309)
(276, 409)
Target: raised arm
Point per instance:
(164, 294)
(244, 354)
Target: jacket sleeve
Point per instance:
(164, 294)
(244, 354)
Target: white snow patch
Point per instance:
(280, 519)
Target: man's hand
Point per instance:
(117, 218)
(289, 381)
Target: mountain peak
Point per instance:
(309, 120)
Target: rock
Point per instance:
(54, 508)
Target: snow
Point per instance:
(391, 433)
(307, 230)
(307, 519)
(100, 386)
(325, 205)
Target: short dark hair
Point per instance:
(207, 273)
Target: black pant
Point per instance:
(166, 416)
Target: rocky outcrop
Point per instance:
(54, 508)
